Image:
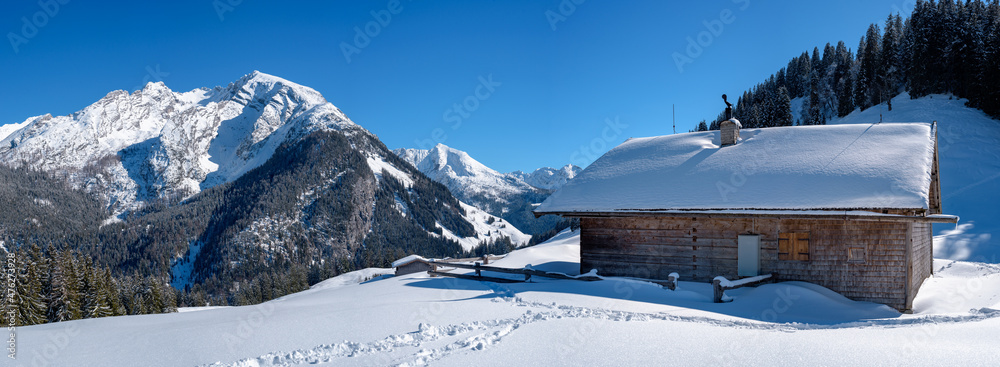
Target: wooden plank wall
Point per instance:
(701, 248)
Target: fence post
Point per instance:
(478, 274)
(672, 282)
(717, 291)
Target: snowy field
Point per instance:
(366, 318)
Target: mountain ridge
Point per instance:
(169, 143)
(226, 191)
(509, 195)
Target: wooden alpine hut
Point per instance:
(847, 207)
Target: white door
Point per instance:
(748, 255)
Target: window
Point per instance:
(856, 255)
(793, 246)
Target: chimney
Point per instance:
(729, 130)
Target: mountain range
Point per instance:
(214, 187)
(509, 195)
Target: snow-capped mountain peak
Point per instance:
(456, 161)
(450, 164)
(155, 142)
(265, 85)
(549, 178)
(465, 176)
(508, 195)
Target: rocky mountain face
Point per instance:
(229, 191)
(508, 195)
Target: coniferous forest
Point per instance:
(944, 47)
(73, 260)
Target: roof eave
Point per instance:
(833, 214)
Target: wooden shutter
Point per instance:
(784, 246)
(793, 246)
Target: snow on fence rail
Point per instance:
(670, 283)
(528, 273)
(486, 259)
(720, 284)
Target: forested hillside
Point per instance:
(314, 210)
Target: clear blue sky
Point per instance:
(557, 88)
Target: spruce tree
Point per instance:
(784, 115)
(30, 301)
(890, 67)
(113, 293)
(870, 66)
(63, 296)
(96, 295)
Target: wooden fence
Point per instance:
(720, 284)
(528, 273)
(670, 283)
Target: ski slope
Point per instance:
(418, 320)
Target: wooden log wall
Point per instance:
(701, 248)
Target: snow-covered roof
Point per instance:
(407, 260)
(845, 167)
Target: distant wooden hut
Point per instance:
(413, 264)
(848, 207)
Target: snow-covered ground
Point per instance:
(364, 318)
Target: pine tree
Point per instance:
(784, 115)
(96, 299)
(841, 79)
(815, 111)
(63, 296)
(919, 47)
(845, 102)
(114, 299)
(890, 67)
(860, 80)
(870, 67)
(30, 301)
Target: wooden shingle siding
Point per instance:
(699, 249)
(922, 259)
